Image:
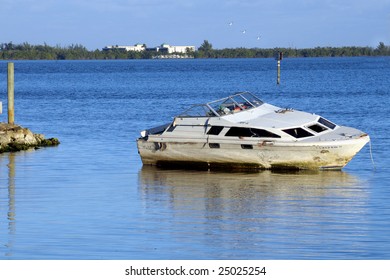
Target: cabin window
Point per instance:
(247, 147)
(250, 132)
(327, 123)
(215, 130)
(214, 145)
(317, 128)
(298, 132)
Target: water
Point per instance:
(90, 197)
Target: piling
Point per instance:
(279, 58)
(14, 137)
(11, 108)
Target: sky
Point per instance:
(225, 24)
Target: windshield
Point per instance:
(229, 105)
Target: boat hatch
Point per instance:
(317, 128)
(327, 123)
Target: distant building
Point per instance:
(164, 48)
(135, 48)
(176, 49)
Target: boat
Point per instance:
(243, 132)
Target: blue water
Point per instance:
(90, 197)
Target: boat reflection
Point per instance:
(246, 189)
(255, 215)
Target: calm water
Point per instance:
(90, 197)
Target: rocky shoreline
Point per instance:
(15, 138)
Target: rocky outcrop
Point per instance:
(16, 138)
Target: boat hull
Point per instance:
(244, 155)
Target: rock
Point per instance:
(16, 138)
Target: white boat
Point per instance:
(241, 131)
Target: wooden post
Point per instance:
(11, 109)
(279, 58)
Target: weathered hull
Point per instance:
(262, 155)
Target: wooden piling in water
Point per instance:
(14, 137)
(279, 58)
(11, 108)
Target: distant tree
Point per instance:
(206, 49)
(381, 49)
(206, 46)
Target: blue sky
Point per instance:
(279, 23)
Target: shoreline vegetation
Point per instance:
(25, 51)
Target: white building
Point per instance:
(176, 49)
(135, 48)
(163, 48)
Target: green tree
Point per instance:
(381, 49)
(206, 49)
(206, 46)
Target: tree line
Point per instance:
(206, 51)
(25, 51)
